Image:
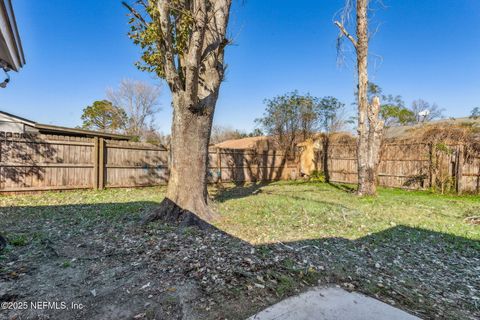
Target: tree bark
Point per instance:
(365, 185)
(186, 200)
(375, 137)
(195, 90)
(3, 243)
(370, 126)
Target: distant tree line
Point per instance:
(394, 112)
(294, 117)
(130, 109)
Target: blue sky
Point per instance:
(426, 49)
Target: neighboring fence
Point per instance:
(234, 165)
(406, 165)
(45, 162)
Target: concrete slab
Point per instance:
(332, 303)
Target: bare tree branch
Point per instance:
(135, 13)
(345, 33)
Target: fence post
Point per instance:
(95, 163)
(459, 169)
(432, 165)
(219, 165)
(101, 164)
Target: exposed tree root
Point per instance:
(170, 212)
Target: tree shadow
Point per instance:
(245, 189)
(240, 166)
(343, 187)
(149, 171)
(240, 190)
(104, 247)
(24, 158)
(417, 269)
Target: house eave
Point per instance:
(11, 51)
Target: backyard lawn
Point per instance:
(416, 250)
(292, 211)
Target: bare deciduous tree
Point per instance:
(184, 42)
(425, 112)
(370, 126)
(139, 100)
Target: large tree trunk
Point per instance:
(375, 137)
(186, 200)
(194, 76)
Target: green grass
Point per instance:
(83, 197)
(291, 211)
(85, 205)
(281, 212)
(19, 240)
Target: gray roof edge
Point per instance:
(12, 38)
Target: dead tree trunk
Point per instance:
(370, 126)
(374, 143)
(365, 185)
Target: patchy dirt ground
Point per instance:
(126, 272)
(97, 257)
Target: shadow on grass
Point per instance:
(343, 187)
(34, 217)
(239, 190)
(242, 190)
(428, 273)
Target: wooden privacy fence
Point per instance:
(131, 164)
(247, 165)
(51, 162)
(411, 165)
